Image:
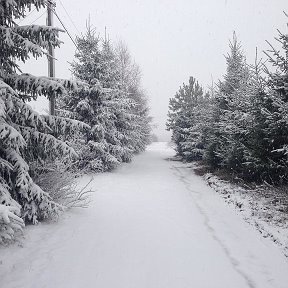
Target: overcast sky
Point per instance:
(170, 40)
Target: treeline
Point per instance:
(101, 120)
(241, 125)
(114, 105)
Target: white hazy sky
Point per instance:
(170, 40)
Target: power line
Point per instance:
(55, 13)
(37, 18)
(69, 17)
(26, 16)
(50, 2)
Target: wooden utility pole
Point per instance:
(51, 58)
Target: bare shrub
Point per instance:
(62, 186)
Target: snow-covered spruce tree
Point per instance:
(129, 78)
(120, 104)
(258, 129)
(101, 149)
(236, 68)
(106, 106)
(225, 141)
(275, 130)
(185, 120)
(249, 135)
(256, 143)
(24, 134)
(261, 123)
(109, 74)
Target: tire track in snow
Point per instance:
(235, 263)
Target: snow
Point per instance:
(264, 207)
(10, 222)
(151, 224)
(7, 213)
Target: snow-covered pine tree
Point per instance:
(276, 108)
(107, 106)
(184, 120)
(264, 125)
(129, 78)
(248, 134)
(124, 120)
(99, 148)
(255, 143)
(225, 140)
(109, 74)
(236, 68)
(24, 134)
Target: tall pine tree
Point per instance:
(25, 135)
(183, 119)
(224, 143)
(107, 107)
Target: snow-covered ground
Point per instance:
(151, 224)
(263, 207)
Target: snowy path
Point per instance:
(151, 225)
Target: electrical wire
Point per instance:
(55, 13)
(37, 18)
(50, 2)
(26, 16)
(53, 5)
(69, 17)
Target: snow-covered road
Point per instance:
(151, 224)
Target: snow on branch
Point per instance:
(5, 165)
(5, 88)
(61, 125)
(2, 107)
(49, 143)
(20, 46)
(10, 9)
(35, 86)
(10, 137)
(28, 116)
(38, 203)
(10, 222)
(44, 36)
(74, 85)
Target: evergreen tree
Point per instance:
(130, 83)
(275, 130)
(256, 145)
(264, 126)
(106, 106)
(236, 68)
(243, 127)
(225, 140)
(101, 150)
(25, 135)
(109, 76)
(183, 119)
